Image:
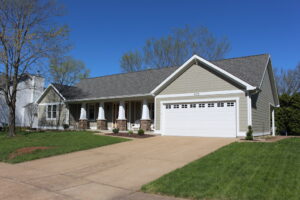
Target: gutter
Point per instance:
(109, 98)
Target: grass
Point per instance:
(238, 171)
(62, 142)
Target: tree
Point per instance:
(288, 114)
(67, 71)
(175, 48)
(28, 36)
(288, 81)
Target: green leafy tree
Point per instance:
(175, 48)
(288, 114)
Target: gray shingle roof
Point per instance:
(249, 69)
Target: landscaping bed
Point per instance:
(133, 135)
(241, 170)
(33, 145)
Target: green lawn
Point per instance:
(238, 171)
(60, 143)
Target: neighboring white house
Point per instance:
(29, 89)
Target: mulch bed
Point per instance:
(25, 150)
(267, 139)
(130, 135)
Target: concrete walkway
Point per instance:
(112, 172)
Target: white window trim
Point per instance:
(57, 112)
(235, 99)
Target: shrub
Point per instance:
(66, 126)
(130, 132)
(141, 132)
(115, 130)
(249, 135)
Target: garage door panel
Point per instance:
(198, 121)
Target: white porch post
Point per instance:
(273, 122)
(83, 112)
(67, 117)
(121, 114)
(145, 110)
(101, 113)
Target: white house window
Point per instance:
(210, 105)
(51, 111)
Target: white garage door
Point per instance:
(207, 119)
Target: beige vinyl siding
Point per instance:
(44, 122)
(242, 107)
(198, 79)
(261, 105)
(51, 97)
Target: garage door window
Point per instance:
(168, 106)
(230, 104)
(210, 105)
(176, 106)
(184, 106)
(220, 104)
(193, 105)
(202, 105)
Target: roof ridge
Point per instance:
(122, 73)
(241, 57)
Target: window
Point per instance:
(91, 111)
(51, 111)
(176, 106)
(230, 104)
(184, 106)
(220, 104)
(168, 106)
(193, 105)
(201, 105)
(210, 105)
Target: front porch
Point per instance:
(107, 115)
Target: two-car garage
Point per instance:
(207, 119)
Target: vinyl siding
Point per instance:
(198, 79)
(51, 97)
(261, 106)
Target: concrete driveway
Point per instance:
(112, 172)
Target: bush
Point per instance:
(66, 126)
(249, 135)
(141, 132)
(130, 132)
(115, 130)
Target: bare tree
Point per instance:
(131, 62)
(175, 49)
(67, 71)
(288, 81)
(28, 34)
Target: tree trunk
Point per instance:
(12, 122)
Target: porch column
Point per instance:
(83, 123)
(273, 122)
(101, 121)
(145, 120)
(121, 121)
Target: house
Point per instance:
(29, 89)
(200, 98)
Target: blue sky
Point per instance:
(101, 31)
